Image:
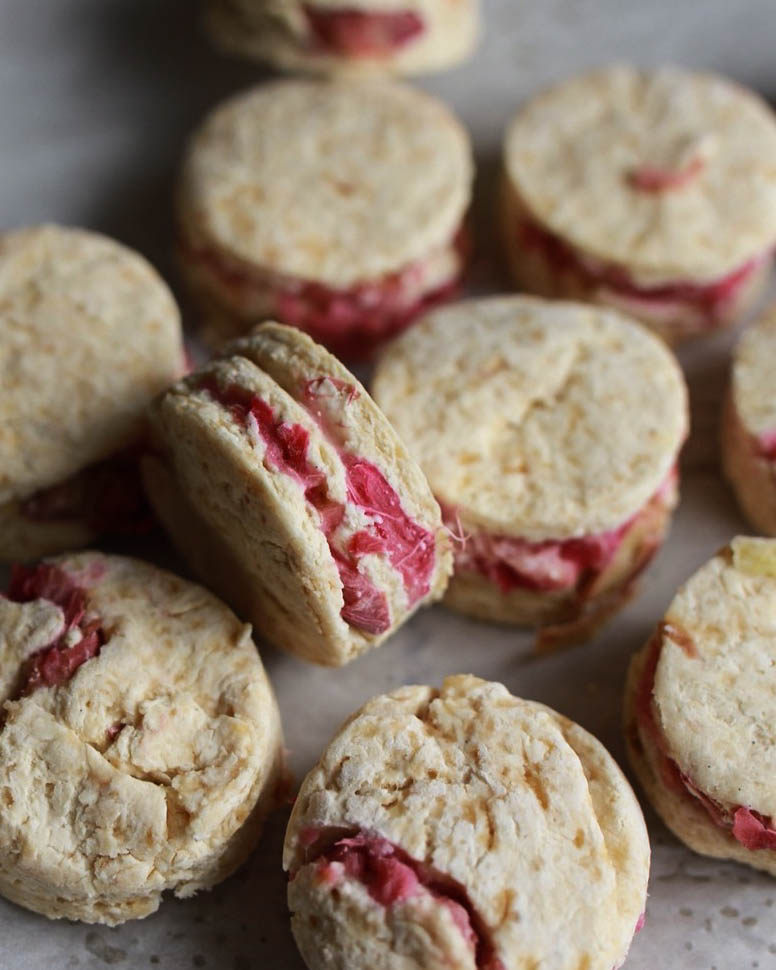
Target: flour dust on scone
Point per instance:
(698, 696)
(749, 424)
(654, 194)
(384, 173)
(440, 826)
(549, 434)
(361, 37)
(322, 528)
(140, 741)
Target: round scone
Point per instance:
(465, 829)
(337, 208)
(749, 424)
(549, 433)
(89, 334)
(289, 493)
(140, 740)
(699, 702)
(347, 36)
(650, 191)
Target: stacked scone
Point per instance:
(549, 433)
(140, 742)
(353, 37)
(650, 191)
(287, 490)
(334, 207)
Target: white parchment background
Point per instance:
(96, 97)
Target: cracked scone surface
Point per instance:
(327, 182)
(89, 334)
(279, 31)
(510, 803)
(247, 526)
(571, 152)
(752, 376)
(533, 419)
(153, 767)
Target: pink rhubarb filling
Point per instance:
(551, 565)
(349, 32)
(391, 877)
(712, 299)
(748, 827)
(391, 533)
(106, 496)
(351, 322)
(55, 663)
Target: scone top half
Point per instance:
(700, 708)
(749, 423)
(332, 206)
(287, 488)
(89, 334)
(650, 190)
(347, 36)
(140, 741)
(549, 433)
(463, 827)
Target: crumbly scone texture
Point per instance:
(567, 616)
(752, 390)
(571, 153)
(684, 815)
(89, 334)
(278, 31)
(516, 804)
(533, 419)
(752, 474)
(262, 544)
(714, 700)
(153, 767)
(327, 182)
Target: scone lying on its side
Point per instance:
(288, 492)
(699, 708)
(465, 829)
(550, 434)
(347, 36)
(140, 740)
(749, 424)
(89, 334)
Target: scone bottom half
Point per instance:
(441, 827)
(140, 740)
(288, 492)
(717, 656)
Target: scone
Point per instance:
(335, 207)
(549, 433)
(288, 492)
(699, 722)
(650, 191)
(347, 36)
(89, 334)
(140, 741)
(749, 424)
(465, 829)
